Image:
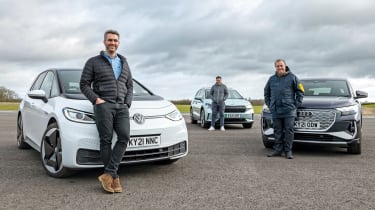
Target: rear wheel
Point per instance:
(204, 123)
(20, 137)
(51, 153)
(356, 148)
(192, 120)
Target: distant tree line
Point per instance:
(7, 95)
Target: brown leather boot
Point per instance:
(116, 186)
(106, 181)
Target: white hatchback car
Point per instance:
(57, 120)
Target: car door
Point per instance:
(27, 110)
(197, 103)
(39, 110)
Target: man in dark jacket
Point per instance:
(283, 94)
(107, 82)
(219, 93)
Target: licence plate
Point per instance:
(232, 115)
(142, 141)
(306, 124)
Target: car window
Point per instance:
(326, 88)
(197, 94)
(47, 84)
(55, 91)
(233, 94)
(38, 81)
(207, 93)
(139, 90)
(70, 81)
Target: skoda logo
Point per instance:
(139, 118)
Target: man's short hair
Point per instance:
(218, 77)
(111, 31)
(280, 60)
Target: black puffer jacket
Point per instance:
(98, 72)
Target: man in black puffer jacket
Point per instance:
(107, 82)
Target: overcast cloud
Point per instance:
(176, 47)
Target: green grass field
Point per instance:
(9, 106)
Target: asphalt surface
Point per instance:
(224, 170)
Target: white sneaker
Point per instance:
(211, 128)
(222, 128)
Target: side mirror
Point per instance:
(199, 99)
(38, 94)
(360, 94)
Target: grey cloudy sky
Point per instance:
(176, 47)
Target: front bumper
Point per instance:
(81, 144)
(340, 134)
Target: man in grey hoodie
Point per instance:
(219, 93)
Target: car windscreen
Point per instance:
(69, 80)
(232, 94)
(336, 88)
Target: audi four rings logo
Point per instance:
(304, 114)
(139, 118)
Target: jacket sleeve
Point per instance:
(129, 87)
(225, 92)
(267, 93)
(299, 90)
(212, 93)
(87, 78)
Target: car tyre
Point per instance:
(267, 143)
(204, 123)
(51, 153)
(192, 120)
(356, 148)
(247, 125)
(20, 136)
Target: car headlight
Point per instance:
(249, 107)
(348, 110)
(266, 109)
(174, 116)
(208, 105)
(78, 116)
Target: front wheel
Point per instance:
(192, 120)
(355, 148)
(204, 123)
(21, 144)
(266, 142)
(51, 153)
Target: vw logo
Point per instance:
(139, 118)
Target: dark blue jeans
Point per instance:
(217, 108)
(284, 134)
(109, 117)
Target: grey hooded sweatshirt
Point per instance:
(219, 93)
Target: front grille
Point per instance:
(92, 157)
(231, 109)
(326, 118)
(315, 137)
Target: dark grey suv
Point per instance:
(330, 115)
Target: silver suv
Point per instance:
(238, 110)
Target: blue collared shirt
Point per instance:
(116, 64)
